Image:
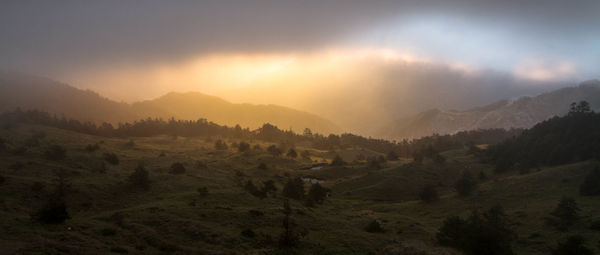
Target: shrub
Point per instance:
(392, 156)
(243, 146)
(130, 143)
(574, 245)
(595, 225)
(201, 165)
(273, 150)
(92, 147)
(139, 178)
(37, 187)
(566, 213)
(111, 158)
(108, 232)
(316, 194)
(19, 150)
(374, 227)
(337, 161)
(253, 190)
(220, 145)
(465, 185)
(118, 250)
(294, 188)
(486, 233)
(55, 152)
(203, 191)
(2, 145)
(269, 187)
(429, 194)
(292, 153)
(177, 168)
(248, 233)
(591, 183)
(53, 212)
(439, 159)
(305, 154)
(262, 166)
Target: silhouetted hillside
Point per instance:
(521, 113)
(30, 92)
(194, 105)
(560, 140)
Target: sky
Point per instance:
(272, 51)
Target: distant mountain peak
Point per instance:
(522, 112)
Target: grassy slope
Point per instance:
(173, 217)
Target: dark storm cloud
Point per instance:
(48, 36)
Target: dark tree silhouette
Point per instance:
(316, 194)
(243, 146)
(55, 152)
(429, 194)
(574, 245)
(289, 237)
(292, 153)
(486, 233)
(567, 213)
(591, 183)
(273, 150)
(466, 184)
(111, 158)
(294, 189)
(139, 179)
(177, 168)
(337, 161)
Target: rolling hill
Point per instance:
(30, 92)
(523, 112)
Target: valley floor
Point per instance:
(174, 217)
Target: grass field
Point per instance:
(172, 217)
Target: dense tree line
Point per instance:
(270, 133)
(560, 140)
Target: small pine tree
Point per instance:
(567, 213)
(574, 245)
(139, 178)
(591, 183)
(288, 238)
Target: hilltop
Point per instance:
(31, 92)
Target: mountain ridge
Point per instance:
(523, 112)
(34, 92)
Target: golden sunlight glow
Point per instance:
(222, 73)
